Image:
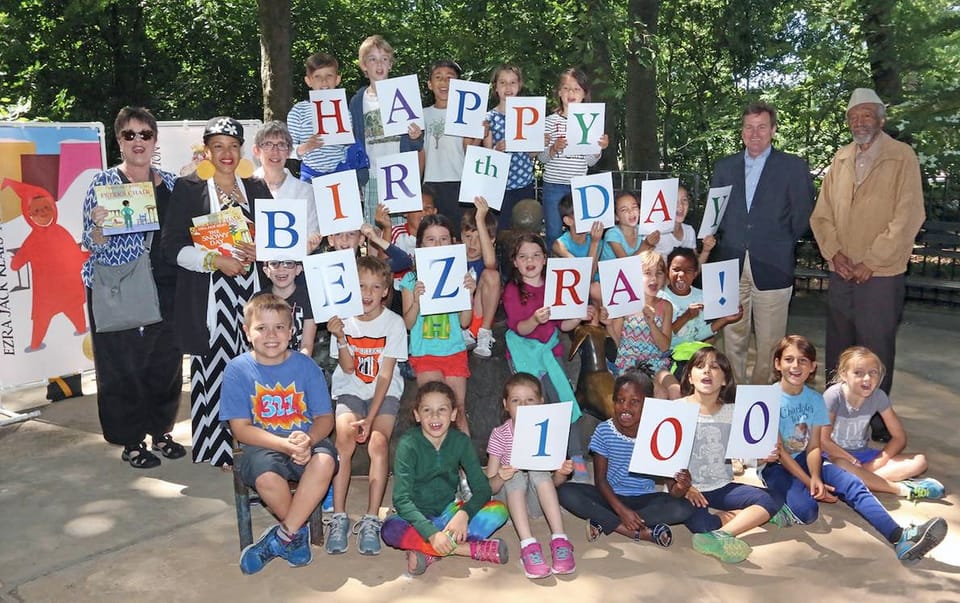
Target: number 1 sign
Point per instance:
(540, 436)
(664, 437)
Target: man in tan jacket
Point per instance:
(865, 221)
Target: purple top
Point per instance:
(517, 312)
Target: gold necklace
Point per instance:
(233, 198)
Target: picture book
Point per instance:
(132, 207)
(218, 231)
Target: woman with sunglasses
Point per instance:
(271, 147)
(212, 287)
(139, 371)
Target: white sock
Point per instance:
(558, 535)
(904, 491)
(527, 541)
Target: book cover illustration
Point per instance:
(132, 207)
(218, 231)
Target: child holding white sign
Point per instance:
(523, 389)
(533, 339)
(802, 477)
(709, 382)
(624, 502)
(558, 168)
(643, 339)
(624, 240)
(437, 349)
(507, 81)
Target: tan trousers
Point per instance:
(765, 313)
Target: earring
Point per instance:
(205, 169)
(245, 168)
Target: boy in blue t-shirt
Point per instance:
(278, 407)
(317, 158)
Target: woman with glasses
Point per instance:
(212, 287)
(271, 147)
(139, 370)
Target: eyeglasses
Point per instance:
(282, 264)
(269, 146)
(129, 135)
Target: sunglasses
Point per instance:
(282, 264)
(129, 135)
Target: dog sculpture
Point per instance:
(595, 382)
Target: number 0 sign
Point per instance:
(664, 437)
(756, 420)
(540, 436)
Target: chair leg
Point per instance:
(316, 526)
(241, 495)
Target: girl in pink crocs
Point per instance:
(523, 389)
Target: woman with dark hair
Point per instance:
(212, 287)
(139, 370)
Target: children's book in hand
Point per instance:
(219, 231)
(132, 207)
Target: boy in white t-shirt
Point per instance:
(367, 389)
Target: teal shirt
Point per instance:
(425, 479)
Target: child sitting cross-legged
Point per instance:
(367, 387)
(429, 522)
(277, 404)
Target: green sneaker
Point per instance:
(723, 545)
(784, 518)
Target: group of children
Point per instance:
(281, 411)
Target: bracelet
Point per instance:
(342, 344)
(209, 261)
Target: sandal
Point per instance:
(168, 447)
(660, 535)
(594, 530)
(139, 457)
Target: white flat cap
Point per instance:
(861, 96)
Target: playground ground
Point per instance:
(77, 524)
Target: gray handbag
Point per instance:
(125, 296)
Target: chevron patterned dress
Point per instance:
(211, 441)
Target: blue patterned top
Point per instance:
(119, 248)
(521, 163)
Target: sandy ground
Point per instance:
(76, 524)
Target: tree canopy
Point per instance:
(675, 74)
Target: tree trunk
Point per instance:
(274, 16)
(884, 62)
(640, 149)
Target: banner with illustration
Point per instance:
(45, 169)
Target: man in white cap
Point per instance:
(865, 221)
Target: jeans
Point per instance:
(847, 487)
(732, 497)
(552, 194)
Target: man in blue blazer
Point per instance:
(769, 209)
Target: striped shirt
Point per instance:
(323, 160)
(559, 170)
(617, 449)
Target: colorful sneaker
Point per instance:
(338, 532)
(493, 550)
(784, 518)
(368, 535)
(926, 487)
(485, 341)
(581, 475)
(561, 551)
(328, 501)
(723, 545)
(917, 541)
(531, 560)
(594, 530)
(298, 553)
(254, 557)
(468, 339)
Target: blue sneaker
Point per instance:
(298, 553)
(923, 488)
(917, 541)
(338, 532)
(254, 557)
(368, 535)
(328, 501)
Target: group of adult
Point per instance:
(868, 213)
(865, 220)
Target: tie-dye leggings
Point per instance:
(399, 534)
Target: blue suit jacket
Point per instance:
(778, 216)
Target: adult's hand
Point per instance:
(861, 273)
(842, 266)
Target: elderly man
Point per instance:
(768, 210)
(865, 222)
